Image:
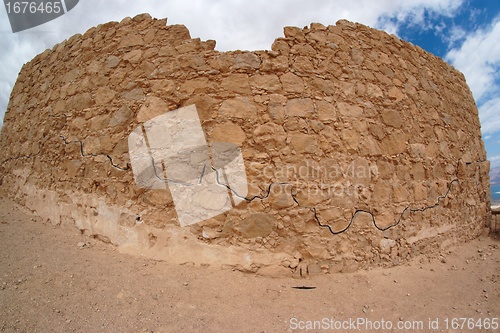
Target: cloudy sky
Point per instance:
(463, 32)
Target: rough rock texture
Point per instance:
(360, 149)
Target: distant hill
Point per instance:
(495, 176)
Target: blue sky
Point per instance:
(463, 32)
(460, 39)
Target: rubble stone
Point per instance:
(362, 131)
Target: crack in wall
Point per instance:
(357, 211)
(267, 192)
(66, 142)
(166, 179)
(407, 208)
(83, 154)
(21, 157)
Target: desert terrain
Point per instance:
(54, 279)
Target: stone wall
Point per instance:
(360, 149)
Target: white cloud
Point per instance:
(489, 114)
(479, 59)
(418, 14)
(235, 24)
(455, 35)
(494, 161)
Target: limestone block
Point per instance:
(134, 94)
(246, 61)
(269, 82)
(383, 192)
(349, 110)
(167, 51)
(240, 107)
(321, 85)
(112, 61)
(270, 136)
(304, 144)
(131, 40)
(369, 146)
(303, 64)
(394, 143)
(292, 83)
(280, 197)
(228, 132)
(80, 101)
(238, 83)
(392, 118)
(276, 107)
(294, 33)
(326, 110)
(104, 96)
(152, 107)
(303, 49)
(299, 107)
(133, 56)
(257, 225)
(281, 46)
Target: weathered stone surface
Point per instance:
(152, 107)
(80, 101)
(133, 56)
(112, 61)
(392, 118)
(240, 107)
(349, 110)
(256, 225)
(134, 94)
(228, 132)
(237, 83)
(247, 60)
(270, 136)
(341, 125)
(269, 82)
(394, 143)
(303, 143)
(300, 107)
(104, 96)
(133, 39)
(276, 108)
(292, 83)
(280, 197)
(326, 111)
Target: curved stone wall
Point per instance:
(353, 147)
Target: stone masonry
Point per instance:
(360, 149)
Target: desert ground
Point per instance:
(54, 279)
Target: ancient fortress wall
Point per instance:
(359, 149)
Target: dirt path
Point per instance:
(55, 280)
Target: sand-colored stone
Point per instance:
(343, 117)
(228, 132)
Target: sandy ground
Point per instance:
(54, 279)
